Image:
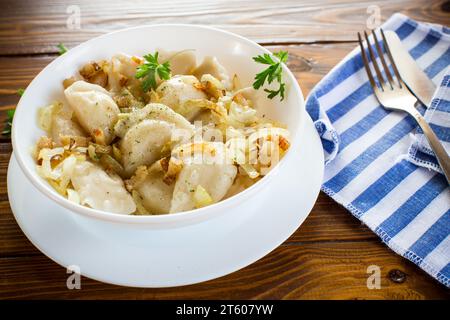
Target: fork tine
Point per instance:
(394, 66)
(383, 62)
(374, 62)
(366, 62)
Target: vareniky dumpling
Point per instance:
(101, 191)
(152, 111)
(122, 69)
(155, 193)
(181, 62)
(211, 65)
(57, 120)
(216, 179)
(94, 109)
(64, 126)
(179, 89)
(143, 143)
(215, 175)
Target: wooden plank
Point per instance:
(329, 221)
(310, 271)
(30, 28)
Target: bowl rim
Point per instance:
(194, 214)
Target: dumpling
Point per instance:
(121, 70)
(64, 127)
(94, 109)
(143, 143)
(155, 194)
(267, 146)
(181, 62)
(101, 191)
(241, 115)
(153, 111)
(241, 183)
(211, 65)
(179, 89)
(216, 179)
(215, 176)
(56, 120)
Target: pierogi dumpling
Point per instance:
(94, 109)
(179, 89)
(181, 62)
(211, 65)
(122, 69)
(152, 111)
(215, 174)
(143, 143)
(101, 191)
(156, 194)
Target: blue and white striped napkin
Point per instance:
(366, 149)
(438, 116)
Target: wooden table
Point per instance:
(327, 257)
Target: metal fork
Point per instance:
(394, 95)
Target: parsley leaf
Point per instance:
(61, 48)
(150, 70)
(274, 93)
(7, 129)
(271, 73)
(20, 92)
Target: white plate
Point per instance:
(180, 256)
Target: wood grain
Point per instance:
(326, 258)
(309, 271)
(29, 28)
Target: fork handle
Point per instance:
(435, 144)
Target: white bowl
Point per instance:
(233, 51)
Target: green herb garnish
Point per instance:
(20, 92)
(61, 48)
(273, 72)
(10, 115)
(150, 69)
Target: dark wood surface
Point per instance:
(326, 258)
